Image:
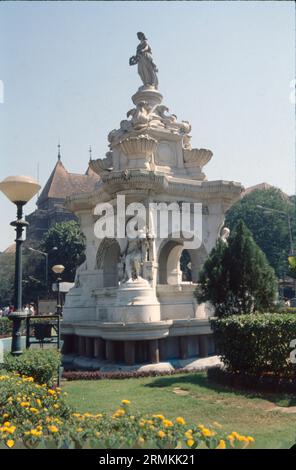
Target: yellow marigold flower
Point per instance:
(207, 433)
(188, 434)
(10, 443)
(25, 404)
(35, 433)
(250, 439)
(190, 442)
(125, 402)
(39, 428)
(221, 445)
(180, 420)
(34, 410)
(51, 392)
(161, 434)
(167, 423)
(53, 428)
(11, 429)
(56, 406)
(159, 417)
(7, 423)
(5, 415)
(38, 401)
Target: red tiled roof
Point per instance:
(62, 184)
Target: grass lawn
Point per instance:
(198, 401)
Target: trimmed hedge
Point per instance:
(267, 383)
(41, 364)
(257, 344)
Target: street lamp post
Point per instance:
(19, 190)
(58, 269)
(46, 255)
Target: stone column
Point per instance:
(162, 350)
(75, 344)
(153, 351)
(99, 348)
(110, 350)
(81, 345)
(203, 345)
(129, 352)
(89, 347)
(183, 347)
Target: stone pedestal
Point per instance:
(136, 302)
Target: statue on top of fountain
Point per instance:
(146, 66)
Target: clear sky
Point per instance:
(224, 66)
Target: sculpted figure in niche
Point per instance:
(137, 251)
(225, 232)
(146, 66)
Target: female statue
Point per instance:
(146, 67)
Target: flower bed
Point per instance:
(34, 415)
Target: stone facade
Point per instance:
(151, 316)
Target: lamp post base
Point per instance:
(16, 318)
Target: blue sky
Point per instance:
(224, 66)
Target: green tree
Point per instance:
(70, 243)
(236, 278)
(7, 261)
(269, 229)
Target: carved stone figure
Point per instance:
(146, 66)
(140, 115)
(225, 232)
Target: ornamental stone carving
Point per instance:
(138, 150)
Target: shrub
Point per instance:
(38, 416)
(236, 278)
(41, 364)
(256, 344)
(5, 327)
(263, 383)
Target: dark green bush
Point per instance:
(5, 326)
(41, 364)
(256, 344)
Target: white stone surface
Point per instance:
(150, 159)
